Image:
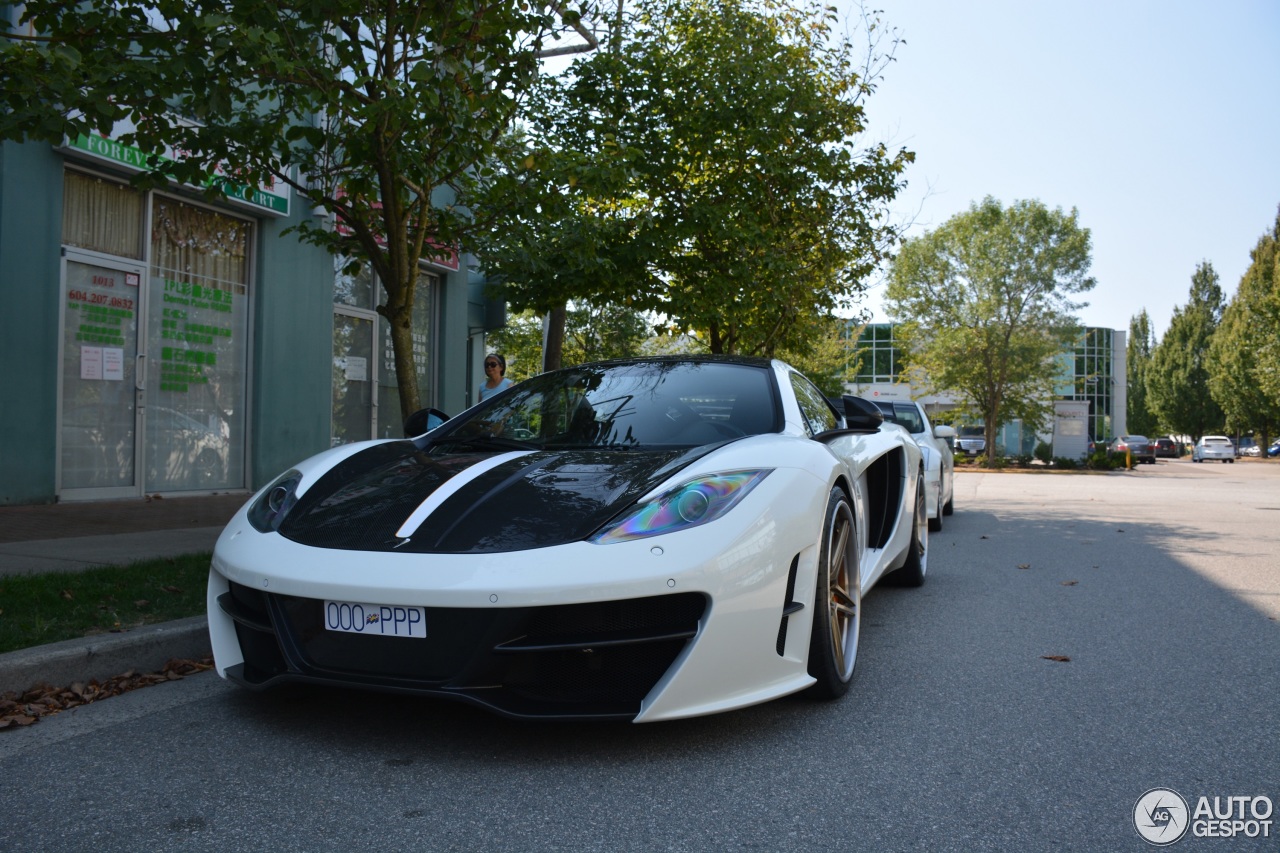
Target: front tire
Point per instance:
(913, 571)
(837, 616)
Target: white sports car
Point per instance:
(641, 540)
(939, 461)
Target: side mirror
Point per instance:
(944, 431)
(423, 420)
(861, 415)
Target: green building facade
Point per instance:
(154, 342)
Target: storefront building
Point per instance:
(154, 342)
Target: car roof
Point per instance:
(753, 361)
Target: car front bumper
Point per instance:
(695, 622)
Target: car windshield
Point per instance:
(623, 405)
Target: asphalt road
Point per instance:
(1162, 586)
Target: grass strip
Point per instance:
(45, 608)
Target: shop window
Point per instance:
(197, 331)
(101, 216)
(364, 369)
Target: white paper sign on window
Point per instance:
(357, 368)
(90, 362)
(112, 364)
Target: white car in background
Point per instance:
(939, 470)
(1217, 447)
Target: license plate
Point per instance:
(379, 620)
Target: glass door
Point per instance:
(197, 334)
(101, 385)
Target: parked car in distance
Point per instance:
(1217, 447)
(1166, 448)
(971, 440)
(1138, 447)
(1274, 449)
(1247, 446)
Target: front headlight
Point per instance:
(269, 511)
(687, 505)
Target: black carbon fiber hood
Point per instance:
(537, 500)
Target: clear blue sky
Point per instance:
(1158, 121)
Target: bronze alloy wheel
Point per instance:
(833, 647)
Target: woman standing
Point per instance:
(495, 373)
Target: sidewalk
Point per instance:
(68, 537)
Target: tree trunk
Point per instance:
(553, 338)
(398, 311)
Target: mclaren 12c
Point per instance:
(638, 540)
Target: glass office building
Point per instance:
(1096, 367)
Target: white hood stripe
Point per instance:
(450, 488)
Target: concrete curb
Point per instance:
(101, 657)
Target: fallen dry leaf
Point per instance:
(175, 590)
(16, 720)
(1070, 583)
(1058, 658)
(1024, 565)
(141, 602)
(18, 710)
(66, 593)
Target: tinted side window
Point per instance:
(908, 416)
(817, 412)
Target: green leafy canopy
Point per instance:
(707, 168)
(985, 306)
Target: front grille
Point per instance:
(574, 660)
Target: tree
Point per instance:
(596, 332)
(706, 169)
(1178, 379)
(1267, 356)
(370, 109)
(1242, 356)
(1137, 362)
(984, 306)
(827, 355)
(592, 333)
